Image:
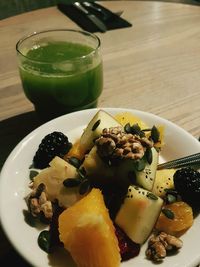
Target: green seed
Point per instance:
(44, 241)
(127, 128)
(171, 198)
(82, 172)
(75, 162)
(32, 174)
(94, 127)
(155, 134)
(152, 196)
(135, 129)
(71, 182)
(140, 165)
(29, 219)
(149, 155)
(84, 187)
(168, 213)
(171, 191)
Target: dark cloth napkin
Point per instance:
(111, 20)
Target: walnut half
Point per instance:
(160, 244)
(115, 143)
(38, 203)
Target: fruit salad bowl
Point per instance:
(15, 179)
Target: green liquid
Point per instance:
(61, 87)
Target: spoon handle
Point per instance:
(181, 162)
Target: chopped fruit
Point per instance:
(95, 127)
(53, 144)
(163, 181)
(138, 213)
(145, 178)
(98, 171)
(129, 171)
(53, 177)
(88, 233)
(128, 249)
(175, 218)
(75, 151)
(187, 184)
(128, 117)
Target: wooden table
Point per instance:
(153, 66)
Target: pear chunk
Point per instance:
(146, 177)
(95, 127)
(163, 180)
(138, 213)
(53, 177)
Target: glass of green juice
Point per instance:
(61, 71)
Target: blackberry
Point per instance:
(53, 144)
(187, 184)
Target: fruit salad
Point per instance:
(102, 196)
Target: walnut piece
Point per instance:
(38, 203)
(116, 144)
(160, 244)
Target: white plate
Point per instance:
(14, 183)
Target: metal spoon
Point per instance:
(187, 161)
(105, 15)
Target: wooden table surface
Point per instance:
(153, 66)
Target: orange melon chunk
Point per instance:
(182, 221)
(88, 233)
(75, 151)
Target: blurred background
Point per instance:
(14, 7)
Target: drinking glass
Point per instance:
(61, 70)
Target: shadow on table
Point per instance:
(12, 258)
(13, 130)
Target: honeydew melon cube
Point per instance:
(97, 170)
(95, 127)
(145, 178)
(163, 180)
(138, 213)
(53, 177)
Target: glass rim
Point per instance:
(59, 30)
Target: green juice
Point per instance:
(56, 81)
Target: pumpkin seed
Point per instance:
(135, 129)
(84, 187)
(155, 134)
(127, 128)
(152, 196)
(75, 162)
(146, 130)
(171, 191)
(82, 172)
(140, 165)
(71, 182)
(149, 155)
(44, 241)
(31, 166)
(29, 219)
(32, 174)
(96, 124)
(168, 213)
(171, 198)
